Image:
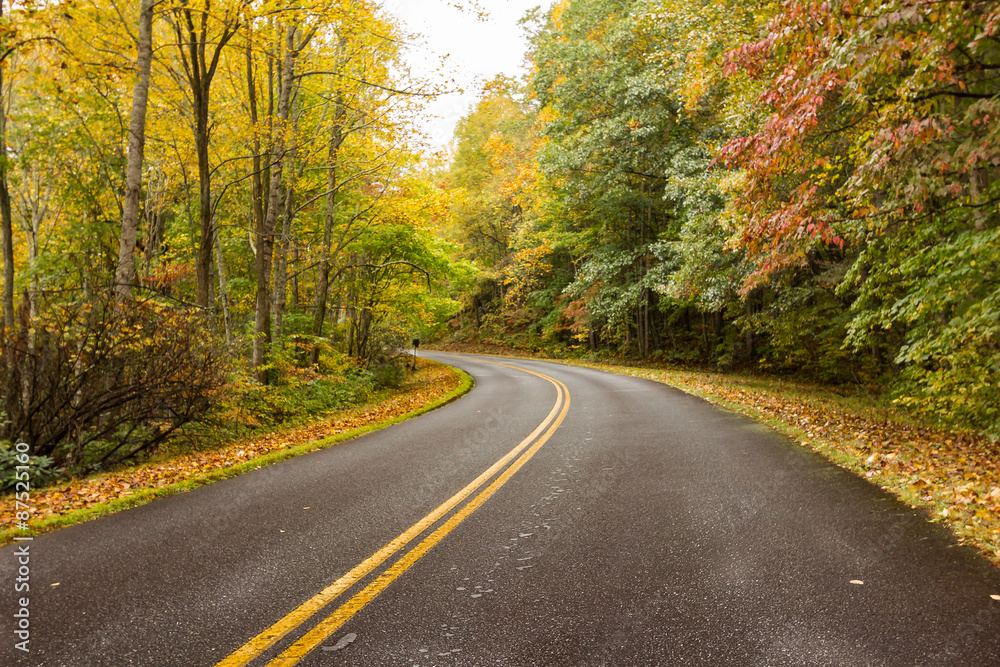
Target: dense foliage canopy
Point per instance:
(806, 186)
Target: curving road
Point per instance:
(553, 516)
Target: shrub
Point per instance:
(387, 353)
(387, 340)
(390, 373)
(295, 400)
(42, 469)
(94, 381)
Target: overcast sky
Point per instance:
(477, 50)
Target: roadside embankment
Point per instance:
(77, 500)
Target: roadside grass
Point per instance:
(952, 478)
(78, 500)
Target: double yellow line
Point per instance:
(322, 631)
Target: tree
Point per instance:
(125, 275)
(878, 135)
(492, 176)
(293, 46)
(200, 49)
(614, 128)
(6, 222)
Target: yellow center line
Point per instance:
(322, 631)
(256, 646)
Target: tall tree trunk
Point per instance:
(326, 259)
(364, 333)
(295, 276)
(200, 87)
(350, 310)
(200, 66)
(125, 275)
(285, 240)
(6, 220)
(256, 189)
(224, 291)
(281, 264)
(203, 262)
(654, 329)
(265, 245)
(34, 214)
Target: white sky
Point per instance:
(477, 50)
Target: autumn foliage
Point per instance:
(249, 180)
(879, 135)
(92, 382)
(806, 187)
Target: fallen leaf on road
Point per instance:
(344, 641)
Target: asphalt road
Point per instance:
(570, 517)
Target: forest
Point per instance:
(216, 207)
(207, 207)
(802, 188)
